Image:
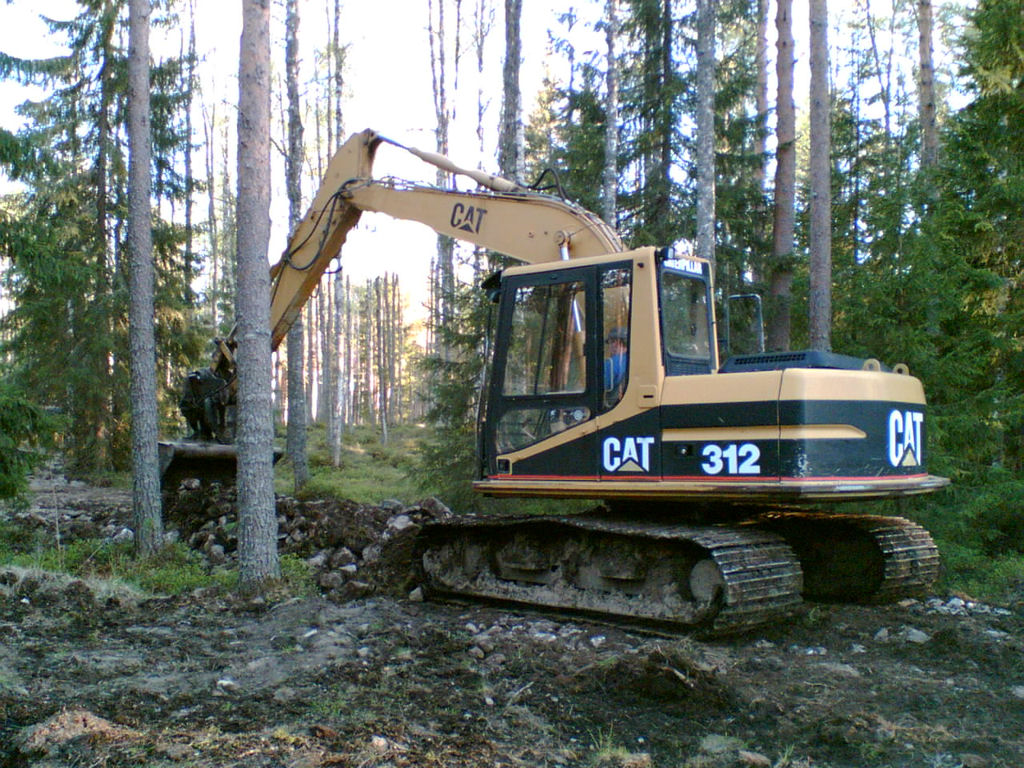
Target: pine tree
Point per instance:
(257, 541)
(146, 467)
(705, 212)
(293, 174)
(67, 330)
(778, 331)
(820, 172)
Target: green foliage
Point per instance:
(296, 577)
(25, 428)
(447, 456)
(67, 333)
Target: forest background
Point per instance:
(926, 226)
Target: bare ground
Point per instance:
(362, 675)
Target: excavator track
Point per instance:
(715, 579)
(861, 558)
(712, 579)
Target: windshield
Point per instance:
(546, 341)
(685, 320)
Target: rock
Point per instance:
(215, 555)
(716, 744)
(371, 554)
(477, 652)
(1017, 691)
(416, 595)
(484, 642)
(882, 635)
(754, 759)
(124, 536)
(970, 760)
(317, 561)
(843, 670)
(331, 580)
(227, 685)
(814, 650)
(342, 556)
(176, 752)
(284, 694)
(435, 508)
(913, 635)
(400, 523)
(353, 590)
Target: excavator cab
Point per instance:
(583, 346)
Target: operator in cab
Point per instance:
(616, 363)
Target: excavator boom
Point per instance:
(526, 225)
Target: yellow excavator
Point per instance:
(605, 383)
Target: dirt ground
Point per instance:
(367, 674)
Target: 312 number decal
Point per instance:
(733, 459)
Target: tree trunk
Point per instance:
(511, 141)
(780, 290)
(926, 86)
(296, 441)
(334, 424)
(706, 129)
(484, 18)
(339, 76)
(445, 276)
(257, 545)
(820, 320)
(146, 514)
(383, 383)
(761, 133)
(610, 172)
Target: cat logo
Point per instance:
(628, 454)
(905, 447)
(467, 218)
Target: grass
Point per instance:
(175, 570)
(369, 472)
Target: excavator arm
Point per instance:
(503, 216)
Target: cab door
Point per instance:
(545, 377)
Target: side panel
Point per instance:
(889, 439)
(721, 441)
(802, 424)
